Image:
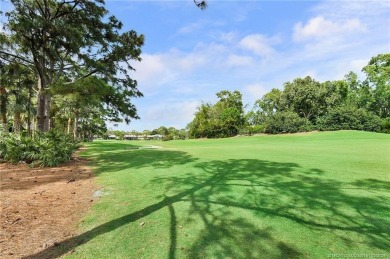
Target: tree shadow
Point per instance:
(280, 191)
(220, 190)
(119, 156)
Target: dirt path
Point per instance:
(42, 206)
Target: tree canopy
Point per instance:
(305, 104)
(223, 119)
(63, 42)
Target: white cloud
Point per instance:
(255, 91)
(191, 27)
(354, 65)
(346, 8)
(358, 64)
(311, 72)
(171, 113)
(228, 36)
(151, 66)
(237, 60)
(158, 69)
(319, 28)
(258, 44)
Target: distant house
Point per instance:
(143, 137)
(111, 136)
(157, 137)
(130, 137)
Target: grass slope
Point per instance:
(286, 196)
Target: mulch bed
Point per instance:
(40, 207)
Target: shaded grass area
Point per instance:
(254, 197)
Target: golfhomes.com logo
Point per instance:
(357, 255)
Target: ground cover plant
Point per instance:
(309, 195)
(44, 149)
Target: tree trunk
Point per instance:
(43, 110)
(75, 125)
(29, 111)
(69, 123)
(3, 108)
(17, 122)
(46, 122)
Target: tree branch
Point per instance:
(15, 56)
(201, 4)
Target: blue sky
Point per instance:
(251, 46)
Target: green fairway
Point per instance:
(288, 196)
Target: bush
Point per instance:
(385, 126)
(287, 122)
(18, 148)
(250, 130)
(167, 137)
(46, 149)
(349, 118)
(3, 146)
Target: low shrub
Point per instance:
(349, 118)
(287, 122)
(385, 126)
(250, 130)
(46, 149)
(167, 137)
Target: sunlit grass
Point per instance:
(288, 196)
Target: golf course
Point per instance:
(309, 195)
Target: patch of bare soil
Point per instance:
(40, 207)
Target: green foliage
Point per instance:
(378, 80)
(167, 138)
(331, 105)
(305, 97)
(200, 126)
(161, 130)
(80, 42)
(224, 119)
(287, 122)
(46, 149)
(251, 129)
(18, 148)
(385, 126)
(349, 118)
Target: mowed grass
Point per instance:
(287, 196)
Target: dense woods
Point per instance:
(65, 70)
(304, 104)
(68, 64)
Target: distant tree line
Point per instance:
(170, 133)
(304, 105)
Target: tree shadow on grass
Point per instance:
(222, 189)
(124, 156)
(277, 190)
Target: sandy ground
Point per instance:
(40, 207)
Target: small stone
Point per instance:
(142, 223)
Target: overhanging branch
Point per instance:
(15, 56)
